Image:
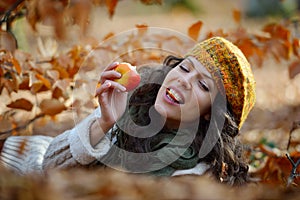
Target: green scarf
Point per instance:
(173, 152)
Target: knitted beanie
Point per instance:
(231, 72)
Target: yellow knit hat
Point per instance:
(231, 72)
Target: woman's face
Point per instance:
(186, 93)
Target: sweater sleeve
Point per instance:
(73, 147)
(26, 154)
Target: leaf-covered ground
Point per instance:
(107, 184)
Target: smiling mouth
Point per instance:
(174, 96)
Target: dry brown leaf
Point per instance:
(1, 85)
(10, 82)
(34, 83)
(108, 36)
(279, 49)
(142, 28)
(1, 72)
(52, 107)
(111, 6)
(81, 18)
(57, 93)
(194, 30)
(5, 5)
(294, 69)
(51, 13)
(247, 47)
(22, 103)
(296, 45)
(218, 32)
(236, 16)
(277, 31)
(7, 41)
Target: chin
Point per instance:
(160, 110)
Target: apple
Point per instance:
(130, 77)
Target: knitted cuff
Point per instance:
(79, 139)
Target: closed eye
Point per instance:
(184, 68)
(204, 86)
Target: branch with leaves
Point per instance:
(294, 173)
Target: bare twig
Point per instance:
(295, 126)
(294, 173)
(18, 128)
(7, 15)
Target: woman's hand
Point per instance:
(112, 97)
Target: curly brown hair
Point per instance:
(225, 157)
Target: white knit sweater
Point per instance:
(34, 154)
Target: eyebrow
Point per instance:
(202, 73)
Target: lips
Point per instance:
(174, 96)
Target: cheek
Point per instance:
(203, 103)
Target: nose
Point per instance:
(185, 81)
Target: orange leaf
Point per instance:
(22, 103)
(45, 81)
(296, 45)
(247, 47)
(62, 71)
(277, 31)
(16, 65)
(294, 69)
(142, 28)
(111, 5)
(22, 146)
(236, 16)
(52, 107)
(194, 30)
(109, 35)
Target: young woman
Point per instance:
(182, 119)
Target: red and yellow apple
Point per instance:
(130, 77)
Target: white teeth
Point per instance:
(175, 95)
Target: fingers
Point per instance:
(109, 85)
(112, 66)
(112, 74)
